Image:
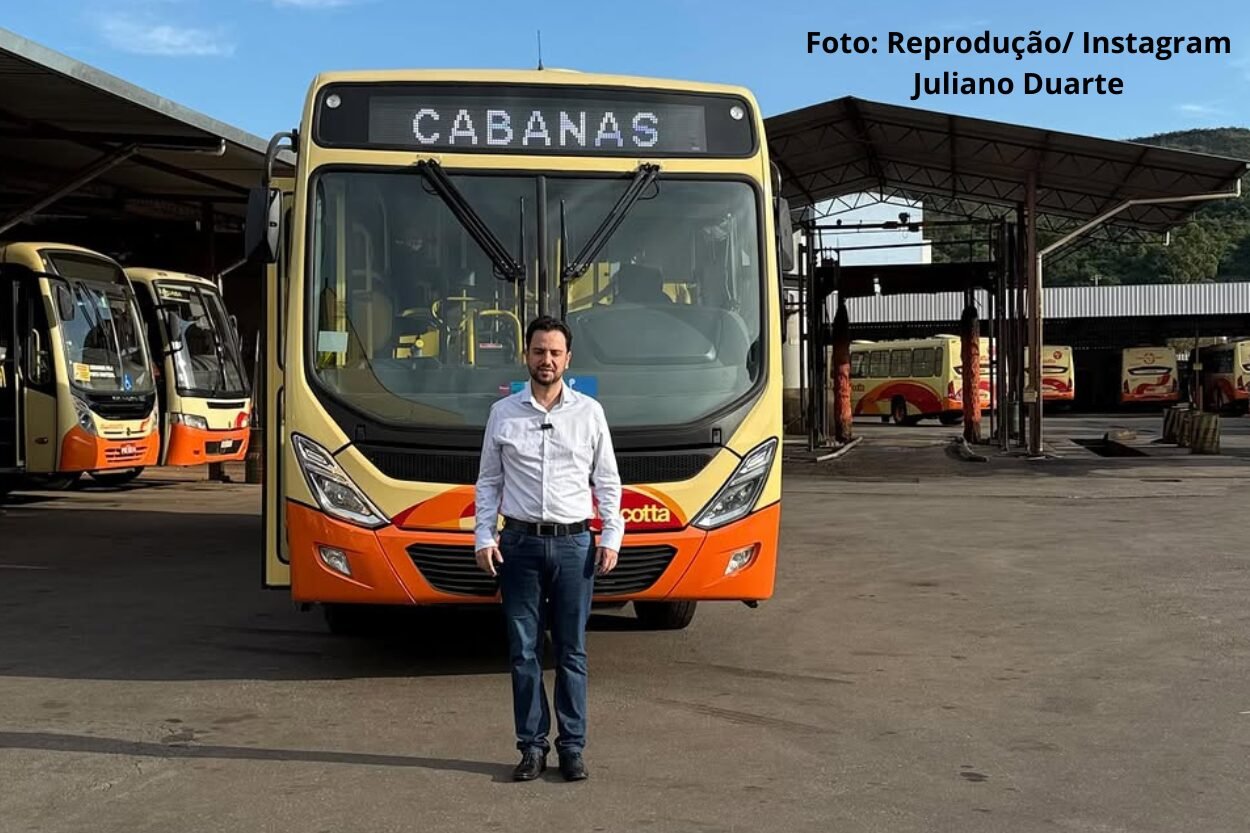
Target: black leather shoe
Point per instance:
(533, 764)
(573, 768)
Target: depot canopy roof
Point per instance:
(850, 146)
(59, 118)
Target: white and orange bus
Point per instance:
(77, 392)
(1148, 375)
(913, 379)
(431, 214)
(1226, 376)
(203, 389)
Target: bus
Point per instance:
(203, 391)
(77, 392)
(1148, 375)
(1058, 374)
(1226, 376)
(913, 379)
(429, 216)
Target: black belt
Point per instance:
(546, 530)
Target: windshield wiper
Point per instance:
(506, 266)
(645, 175)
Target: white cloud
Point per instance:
(129, 35)
(1199, 110)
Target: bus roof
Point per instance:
(148, 275)
(902, 343)
(29, 250)
(525, 76)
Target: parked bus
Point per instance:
(1058, 373)
(1226, 376)
(205, 404)
(1148, 374)
(76, 384)
(430, 216)
(913, 379)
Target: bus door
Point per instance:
(12, 315)
(276, 569)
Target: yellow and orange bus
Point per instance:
(1226, 376)
(76, 385)
(913, 379)
(203, 390)
(1148, 375)
(430, 215)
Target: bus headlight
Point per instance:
(189, 420)
(86, 421)
(337, 495)
(737, 497)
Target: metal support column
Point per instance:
(1032, 394)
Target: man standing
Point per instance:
(546, 450)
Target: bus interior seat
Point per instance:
(637, 284)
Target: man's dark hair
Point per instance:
(547, 324)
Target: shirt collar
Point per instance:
(567, 395)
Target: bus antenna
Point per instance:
(540, 49)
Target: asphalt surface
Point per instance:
(1073, 658)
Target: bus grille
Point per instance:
(121, 407)
(452, 569)
(460, 467)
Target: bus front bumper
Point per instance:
(195, 446)
(81, 451)
(397, 566)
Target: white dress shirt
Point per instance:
(536, 474)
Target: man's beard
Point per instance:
(555, 376)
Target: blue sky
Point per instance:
(249, 62)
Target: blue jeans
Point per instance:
(547, 582)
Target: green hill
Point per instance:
(1214, 246)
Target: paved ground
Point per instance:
(1081, 666)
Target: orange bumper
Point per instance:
(194, 446)
(383, 572)
(81, 451)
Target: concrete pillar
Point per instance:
(970, 357)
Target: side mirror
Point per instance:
(785, 236)
(173, 326)
(262, 229)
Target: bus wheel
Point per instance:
(116, 478)
(898, 410)
(951, 417)
(350, 620)
(54, 482)
(664, 616)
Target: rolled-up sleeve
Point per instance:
(605, 482)
(489, 490)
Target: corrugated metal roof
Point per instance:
(1124, 301)
(850, 145)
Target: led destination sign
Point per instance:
(534, 120)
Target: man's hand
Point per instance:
(605, 561)
(487, 557)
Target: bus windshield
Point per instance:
(207, 361)
(99, 324)
(411, 325)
